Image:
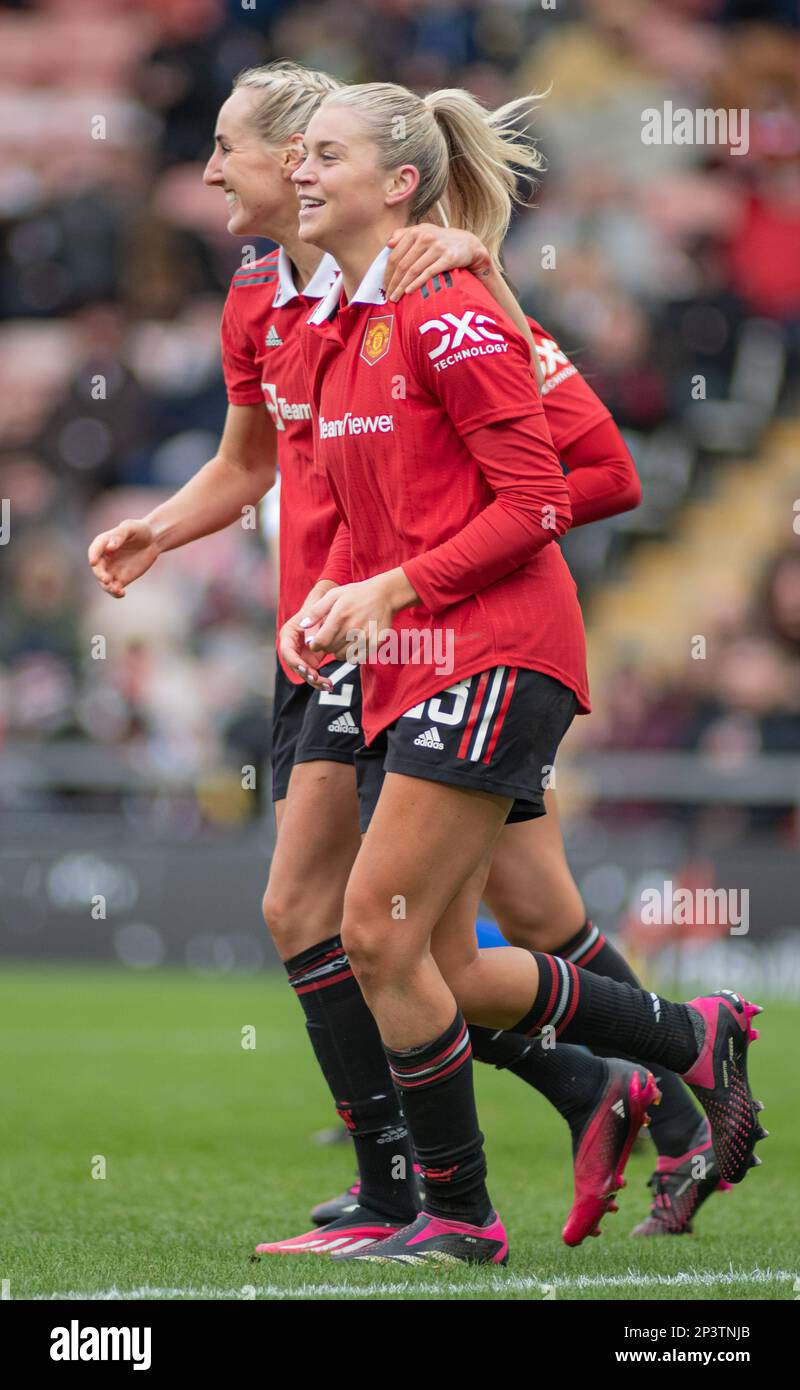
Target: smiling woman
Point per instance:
(448, 518)
(258, 138)
(442, 155)
(257, 146)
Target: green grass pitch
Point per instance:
(207, 1150)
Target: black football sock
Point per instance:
(577, 1006)
(350, 1053)
(435, 1086)
(673, 1123)
(569, 1077)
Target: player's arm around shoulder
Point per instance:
(467, 352)
(464, 306)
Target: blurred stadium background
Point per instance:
(676, 290)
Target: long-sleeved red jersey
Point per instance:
(435, 441)
(264, 316)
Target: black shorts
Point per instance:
(496, 731)
(310, 724)
(288, 711)
(331, 727)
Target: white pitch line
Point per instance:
(491, 1284)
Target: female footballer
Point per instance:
(450, 493)
(256, 148)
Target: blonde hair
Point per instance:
(469, 159)
(289, 94)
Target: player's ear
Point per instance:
(292, 154)
(401, 185)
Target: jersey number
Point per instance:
(437, 713)
(343, 696)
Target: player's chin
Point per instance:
(312, 224)
(240, 223)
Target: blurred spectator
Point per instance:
(782, 600)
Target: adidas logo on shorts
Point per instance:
(345, 724)
(273, 338)
(430, 739)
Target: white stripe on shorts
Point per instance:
(483, 727)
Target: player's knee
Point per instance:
(535, 920)
(364, 952)
(528, 931)
(518, 915)
(366, 939)
(282, 922)
(462, 975)
(541, 932)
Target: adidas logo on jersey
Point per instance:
(273, 338)
(345, 724)
(430, 739)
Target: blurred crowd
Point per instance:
(115, 263)
(743, 696)
(739, 700)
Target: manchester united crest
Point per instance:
(377, 337)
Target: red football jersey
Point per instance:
(570, 404)
(261, 361)
(601, 478)
(428, 422)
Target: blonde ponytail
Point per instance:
(488, 155)
(288, 96)
(469, 159)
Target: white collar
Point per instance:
(370, 291)
(321, 281)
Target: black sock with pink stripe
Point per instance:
(673, 1123)
(584, 1008)
(350, 1053)
(571, 1078)
(435, 1085)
